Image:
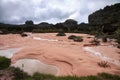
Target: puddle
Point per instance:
(31, 66)
(38, 38)
(8, 53)
(100, 55)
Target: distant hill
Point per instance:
(109, 15)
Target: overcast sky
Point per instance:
(52, 11)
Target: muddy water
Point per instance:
(102, 56)
(31, 66)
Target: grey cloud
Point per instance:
(53, 11)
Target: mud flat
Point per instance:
(32, 66)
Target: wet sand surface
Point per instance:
(70, 58)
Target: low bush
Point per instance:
(117, 32)
(118, 46)
(75, 38)
(18, 74)
(106, 76)
(61, 34)
(78, 39)
(104, 64)
(38, 76)
(23, 35)
(95, 42)
(72, 37)
(104, 39)
(93, 33)
(4, 31)
(4, 62)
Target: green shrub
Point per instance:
(93, 33)
(106, 76)
(24, 35)
(72, 37)
(4, 62)
(18, 74)
(75, 38)
(61, 34)
(38, 76)
(117, 32)
(118, 40)
(95, 42)
(104, 39)
(118, 46)
(4, 31)
(78, 39)
(91, 78)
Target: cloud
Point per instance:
(52, 11)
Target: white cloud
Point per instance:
(53, 11)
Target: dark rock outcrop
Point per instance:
(106, 18)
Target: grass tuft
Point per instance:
(103, 64)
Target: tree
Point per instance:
(29, 22)
(29, 25)
(70, 24)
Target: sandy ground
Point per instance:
(69, 57)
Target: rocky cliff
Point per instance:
(108, 15)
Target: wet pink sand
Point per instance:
(69, 56)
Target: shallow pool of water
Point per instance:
(9, 52)
(31, 66)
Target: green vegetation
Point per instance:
(4, 62)
(38, 76)
(72, 37)
(23, 35)
(78, 39)
(95, 42)
(104, 64)
(75, 38)
(61, 34)
(105, 76)
(29, 22)
(107, 19)
(93, 33)
(104, 38)
(118, 35)
(20, 75)
(108, 15)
